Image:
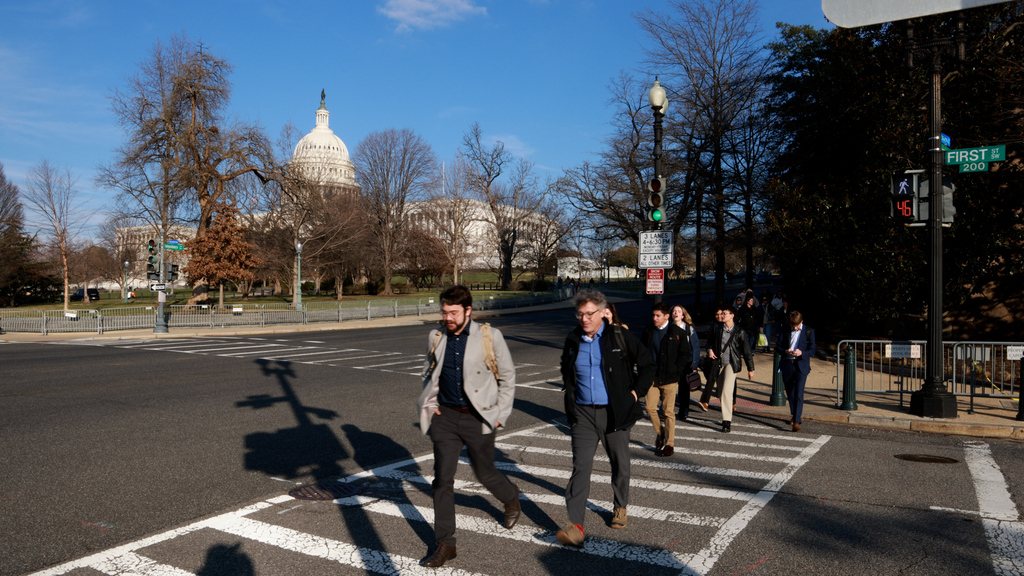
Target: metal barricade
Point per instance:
(987, 369)
(323, 312)
(15, 320)
(236, 315)
(890, 365)
(282, 313)
(127, 318)
(188, 316)
(71, 321)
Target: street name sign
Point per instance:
(855, 13)
(656, 249)
(975, 159)
(655, 281)
(174, 246)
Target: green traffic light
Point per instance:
(655, 215)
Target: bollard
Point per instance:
(850, 380)
(778, 389)
(1020, 408)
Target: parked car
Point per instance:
(94, 295)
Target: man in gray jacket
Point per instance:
(467, 395)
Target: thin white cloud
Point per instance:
(427, 14)
(512, 143)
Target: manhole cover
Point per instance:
(926, 458)
(323, 491)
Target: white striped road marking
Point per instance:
(702, 562)
(311, 354)
(367, 559)
(282, 350)
(191, 343)
(691, 441)
(687, 427)
(999, 515)
(131, 547)
(203, 348)
(347, 358)
(417, 361)
(665, 464)
(130, 564)
(605, 507)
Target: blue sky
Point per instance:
(533, 73)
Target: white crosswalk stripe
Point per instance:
(538, 459)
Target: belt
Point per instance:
(463, 409)
(595, 406)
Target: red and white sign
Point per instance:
(655, 281)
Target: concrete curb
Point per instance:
(952, 427)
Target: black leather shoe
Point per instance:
(442, 554)
(666, 451)
(658, 443)
(727, 426)
(513, 511)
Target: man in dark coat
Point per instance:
(602, 402)
(796, 345)
(670, 347)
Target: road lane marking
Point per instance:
(669, 465)
(999, 515)
(358, 557)
(702, 562)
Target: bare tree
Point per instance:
(710, 53)
(119, 250)
(52, 196)
(450, 212)
(178, 143)
(511, 201)
(393, 167)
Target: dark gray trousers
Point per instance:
(450, 431)
(589, 429)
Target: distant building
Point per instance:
(322, 157)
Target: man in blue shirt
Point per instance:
(601, 405)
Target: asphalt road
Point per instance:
(108, 442)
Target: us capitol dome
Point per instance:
(322, 157)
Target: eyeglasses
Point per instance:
(450, 314)
(580, 315)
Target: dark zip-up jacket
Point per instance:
(619, 379)
(739, 346)
(675, 356)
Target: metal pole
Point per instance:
(124, 290)
(933, 400)
(161, 295)
(298, 282)
(658, 115)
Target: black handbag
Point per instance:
(693, 381)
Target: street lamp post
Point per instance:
(298, 275)
(125, 289)
(659, 103)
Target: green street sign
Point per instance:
(975, 159)
(174, 246)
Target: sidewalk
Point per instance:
(992, 417)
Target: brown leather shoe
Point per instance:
(658, 443)
(571, 536)
(443, 553)
(512, 511)
(666, 451)
(796, 427)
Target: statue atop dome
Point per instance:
(323, 96)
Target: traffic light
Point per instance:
(152, 263)
(948, 210)
(172, 272)
(656, 199)
(904, 196)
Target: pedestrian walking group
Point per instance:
(610, 380)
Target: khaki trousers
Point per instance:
(727, 382)
(667, 394)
